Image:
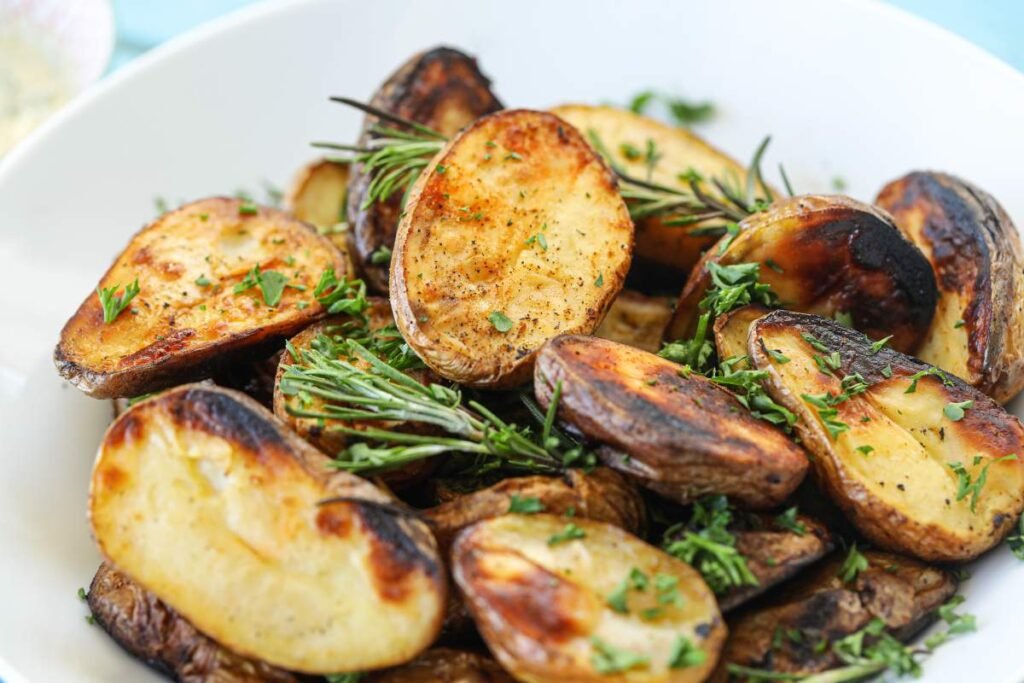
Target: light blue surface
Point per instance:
(996, 25)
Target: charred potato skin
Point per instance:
(670, 427)
(976, 253)
(441, 88)
(154, 633)
(903, 593)
(636, 320)
(591, 268)
(156, 349)
(443, 665)
(988, 429)
(836, 255)
(402, 564)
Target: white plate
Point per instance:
(854, 89)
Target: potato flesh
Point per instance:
(636, 320)
(908, 475)
(317, 194)
(472, 244)
(732, 329)
(304, 586)
(538, 605)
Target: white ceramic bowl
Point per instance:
(848, 88)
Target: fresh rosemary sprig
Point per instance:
(706, 544)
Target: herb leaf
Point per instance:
(853, 565)
(525, 506)
(501, 322)
(609, 660)
(706, 544)
(112, 304)
(685, 654)
(956, 411)
(788, 521)
(571, 532)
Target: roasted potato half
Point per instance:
(441, 88)
(150, 630)
(560, 600)
(731, 330)
(978, 330)
(603, 495)
(681, 436)
(442, 665)
(920, 462)
(792, 633)
(828, 255)
(626, 137)
(187, 319)
(304, 569)
(522, 237)
(636, 320)
(317, 193)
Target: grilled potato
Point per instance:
(680, 436)
(150, 630)
(603, 495)
(626, 137)
(636, 320)
(522, 237)
(732, 328)
(978, 330)
(441, 665)
(304, 569)
(828, 255)
(441, 88)
(554, 602)
(889, 455)
(187, 320)
(787, 636)
(317, 193)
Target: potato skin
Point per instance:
(902, 592)
(154, 633)
(975, 250)
(442, 665)
(441, 88)
(636, 320)
(182, 331)
(258, 508)
(902, 494)
(464, 249)
(684, 436)
(836, 255)
(538, 605)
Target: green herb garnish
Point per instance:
(112, 304)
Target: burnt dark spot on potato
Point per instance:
(220, 414)
(396, 550)
(334, 520)
(126, 430)
(161, 349)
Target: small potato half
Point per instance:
(828, 255)
(732, 329)
(889, 455)
(978, 330)
(680, 436)
(636, 319)
(514, 233)
(539, 588)
(209, 502)
(187, 320)
(317, 193)
(441, 88)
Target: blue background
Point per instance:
(996, 25)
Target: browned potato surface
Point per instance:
(442, 665)
(731, 330)
(626, 137)
(828, 255)
(186, 320)
(681, 436)
(636, 319)
(786, 635)
(441, 88)
(150, 630)
(978, 330)
(603, 495)
(539, 589)
(887, 457)
(522, 237)
(302, 568)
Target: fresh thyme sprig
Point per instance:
(706, 544)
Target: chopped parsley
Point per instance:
(959, 323)
(706, 544)
(866, 449)
(853, 565)
(571, 532)
(248, 208)
(525, 506)
(925, 373)
(382, 256)
(956, 411)
(501, 322)
(844, 318)
(610, 660)
(599, 282)
(966, 485)
(1016, 541)
(685, 654)
(202, 281)
(778, 356)
(877, 346)
(270, 282)
(788, 521)
(112, 304)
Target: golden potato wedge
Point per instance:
(442, 665)
(793, 632)
(626, 136)
(317, 193)
(441, 88)
(731, 330)
(905, 443)
(978, 330)
(302, 568)
(148, 629)
(522, 237)
(828, 255)
(636, 320)
(585, 601)
(603, 494)
(682, 437)
(187, 320)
